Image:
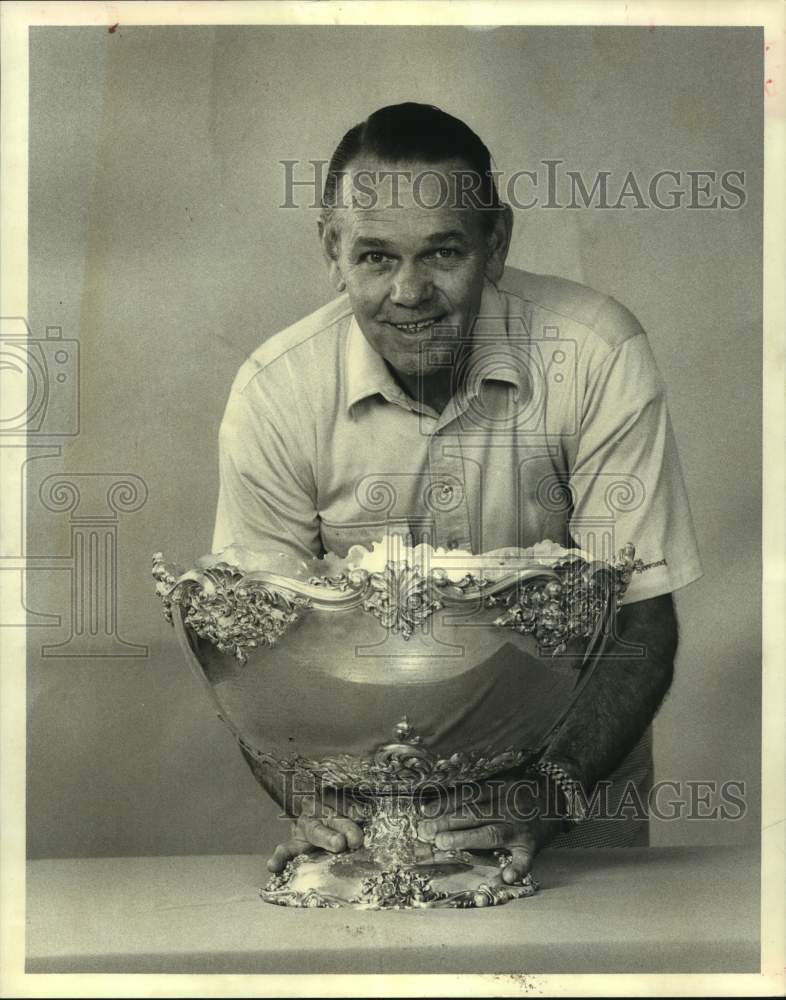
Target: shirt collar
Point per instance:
(492, 356)
(368, 375)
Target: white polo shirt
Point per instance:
(558, 430)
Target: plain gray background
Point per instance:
(156, 239)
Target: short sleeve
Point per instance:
(266, 491)
(626, 479)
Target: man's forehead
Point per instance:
(373, 183)
(382, 200)
(424, 225)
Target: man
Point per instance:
(497, 408)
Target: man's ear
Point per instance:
(328, 237)
(499, 243)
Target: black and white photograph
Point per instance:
(392, 442)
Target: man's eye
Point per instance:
(374, 257)
(447, 253)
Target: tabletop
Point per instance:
(640, 910)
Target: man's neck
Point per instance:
(434, 390)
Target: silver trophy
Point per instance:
(398, 675)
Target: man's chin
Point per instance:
(412, 367)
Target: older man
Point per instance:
(478, 408)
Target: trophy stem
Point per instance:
(390, 832)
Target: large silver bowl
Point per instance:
(394, 675)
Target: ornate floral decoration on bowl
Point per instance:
(470, 663)
(553, 593)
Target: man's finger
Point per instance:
(316, 832)
(478, 800)
(285, 852)
(428, 829)
(478, 838)
(351, 831)
(465, 798)
(519, 864)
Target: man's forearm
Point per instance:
(622, 695)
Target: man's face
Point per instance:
(408, 266)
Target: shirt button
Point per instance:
(446, 493)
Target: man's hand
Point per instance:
(514, 816)
(319, 826)
(322, 818)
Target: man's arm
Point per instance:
(622, 695)
(267, 493)
(618, 703)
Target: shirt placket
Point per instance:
(448, 501)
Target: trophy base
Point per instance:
(450, 879)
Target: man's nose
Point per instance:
(411, 286)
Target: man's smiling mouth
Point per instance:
(422, 324)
